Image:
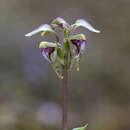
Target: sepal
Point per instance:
(60, 23)
(45, 44)
(78, 36)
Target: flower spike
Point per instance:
(67, 54)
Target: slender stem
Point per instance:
(65, 100)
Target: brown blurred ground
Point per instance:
(30, 93)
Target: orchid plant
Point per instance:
(64, 56)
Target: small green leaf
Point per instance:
(60, 55)
(45, 44)
(83, 23)
(81, 128)
(78, 36)
(43, 28)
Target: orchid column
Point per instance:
(64, 56)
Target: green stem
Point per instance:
(65, 100)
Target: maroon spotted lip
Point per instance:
(46, 52)
(80, 44)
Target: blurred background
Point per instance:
(30, 93)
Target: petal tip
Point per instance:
(97, 31)
(27, 35)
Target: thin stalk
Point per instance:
(65, 100)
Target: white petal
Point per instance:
(44, 27)
(82, 22)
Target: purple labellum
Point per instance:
(46, 52)
(80, 44)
